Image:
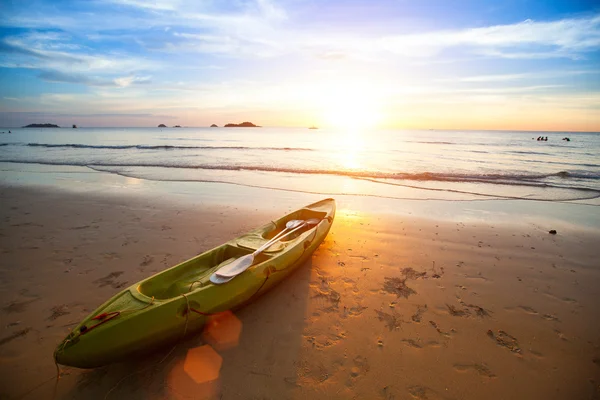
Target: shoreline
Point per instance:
(390, 305)
(554, 214)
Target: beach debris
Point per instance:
(392, 321)
(505, 340)
(398, 287)
(552, 231)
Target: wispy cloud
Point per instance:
(562, 38)
(538, 75)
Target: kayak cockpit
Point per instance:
(179, 279)
(195, 273)
(302, 214)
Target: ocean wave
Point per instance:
(152, 147)
(428, 142)
(534, 180)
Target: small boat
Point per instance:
(160, 309)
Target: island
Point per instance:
(162, 126)
(242, 125)
(177, 126)
(313, 127)
(41, 126)
(214, 126)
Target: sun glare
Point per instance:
(351, 114)
(350, 108)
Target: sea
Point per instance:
(396, 164)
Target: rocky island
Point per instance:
(242, 125)
(214, 126)
(41, 126)
(162, 126)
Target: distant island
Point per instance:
(177, 126)
(313, 127)
(214, 126)
(41, 126)
(162, 126)
(242, 125)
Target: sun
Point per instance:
(350, 110)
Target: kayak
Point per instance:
(162, 308)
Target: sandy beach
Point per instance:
(389, 307)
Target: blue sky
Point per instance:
(418, 64)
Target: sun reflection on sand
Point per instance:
(197, 375)
(223, 330)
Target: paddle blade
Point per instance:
(219, 280)
(236, 267)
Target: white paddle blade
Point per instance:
(236, 267)
(219, 280)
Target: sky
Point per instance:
(428, 64)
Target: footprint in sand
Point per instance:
(561, 335)
(146, 261)
(455, 312)
(415, 344)
(505, 340)
(536, 353)
(110, 280)
(436, 327)
(14, 336)
(361, 367)
(353, 311)
(528, 310)
(410, 273)
(531, 311)
(18, 306)
(479, 311)
(481, 369)
(424, 393)
(58, 311)
(416, 317)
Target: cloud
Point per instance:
(58, 76)
(561, 38)
(132, 80)
(538, 75)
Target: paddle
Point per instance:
(291, 224)
(244, 262)
(228, 272)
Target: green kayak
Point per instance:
(178, 300)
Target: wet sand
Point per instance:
(389, 307)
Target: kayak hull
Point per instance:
(162, 308)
